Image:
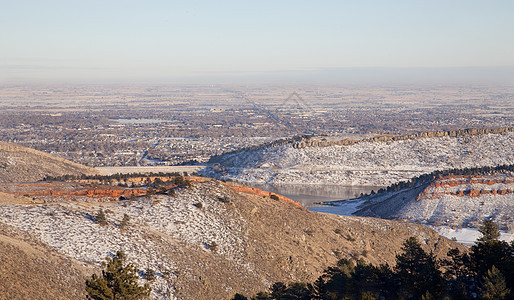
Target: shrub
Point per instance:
(223, 199)
(213, 246)
(309, 232)
(101, 219)
(150, 274)
(349, 238)
(180, 181)
(150, 191)
(124, 222)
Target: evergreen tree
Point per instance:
(150, 274)
(180, 181)
(338, 279)
(488, 251)
(118, 281)
(418, 271)
(489, 231)
(238, 296)
(457, 274)
(262, 296)
(278, 289)
(493, 285)
(487, 272)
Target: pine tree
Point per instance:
(118, 281)
(150, 274)
(418, 271)
(489, 251)
(238, 296)
(493, 285)
(489, 231)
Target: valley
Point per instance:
(256, 150)
(208, 201)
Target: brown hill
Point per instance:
(22, 164)
(209, 241)
(29, 270)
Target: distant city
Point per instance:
(145, 125)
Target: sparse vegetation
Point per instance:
(225, 224)
(35, 274)
(429, 177)
(213, 246)
(101, 218)
(124, 222)
(309, 232)
(487, 271)
(150, 191)
(349, 238)
(223, 199)
(150, 274)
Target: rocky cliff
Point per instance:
(453, 201)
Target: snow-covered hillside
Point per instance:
(449, 204)
(364, 163)
(70, 228)
(208, 241)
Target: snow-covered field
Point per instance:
(365, 163)
(468, 236)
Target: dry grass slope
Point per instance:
(259, 240)
(21, 164)
(32, 271)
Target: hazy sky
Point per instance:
(67, 40)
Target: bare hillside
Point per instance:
(30, 270)
(21, 164)
(210, 241)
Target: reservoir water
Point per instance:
(311, 194)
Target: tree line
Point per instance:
(438, 174)
(117, 176)
(485, 272)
